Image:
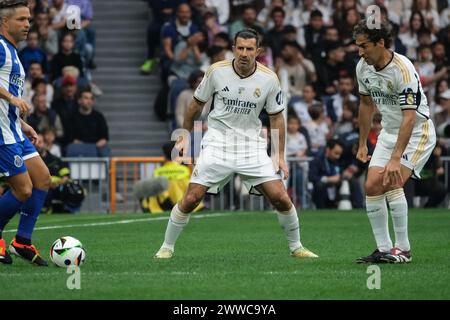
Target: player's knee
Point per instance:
(373, 188)
(282, 202)
(23, 193)
(190, 202)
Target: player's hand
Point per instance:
(284, 168)
(23, 107)
(392, 175)
(361, 155)
(30, 133)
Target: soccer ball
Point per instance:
(67, 251)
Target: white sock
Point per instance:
(289, 222)
(399, 212)
(378, 216)
(176, 223)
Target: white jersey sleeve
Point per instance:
(275, 101)
(361, 86)
(207, 86)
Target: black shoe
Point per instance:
(5, 257)
(29, 253)
(376, 257)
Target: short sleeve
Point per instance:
(363, 90)
(2, 55)
(275, 101)
(409, 92)
(206, 87)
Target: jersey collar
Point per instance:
(392, 58)
(241, 77)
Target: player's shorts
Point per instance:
(417, 152)
(215, 168)
(13, 156)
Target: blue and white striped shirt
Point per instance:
(12, 79)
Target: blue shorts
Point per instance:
(12, 157)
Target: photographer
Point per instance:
(327, 173)
(64, 195)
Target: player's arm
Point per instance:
(29, 131)
(366, 112)
(19, 103)
(408, 121)
(277, 123)
(195, 108)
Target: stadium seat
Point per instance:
(81, 150)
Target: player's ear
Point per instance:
(258, 51)
(381, 42)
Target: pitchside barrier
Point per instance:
(108, 184)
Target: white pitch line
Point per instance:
(96, 224)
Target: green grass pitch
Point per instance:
(232, 255)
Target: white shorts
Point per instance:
(417, 152)
(215, 167)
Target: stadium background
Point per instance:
(139, 94)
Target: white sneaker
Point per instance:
(164, 253)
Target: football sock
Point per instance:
(378, 216)
(177, 222)
(29, 213)
(22, 240)
(9, 205)
(290, 224)
(399, 212)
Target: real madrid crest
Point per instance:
(390, 86)
(18, 161)
(410, 98)
(257, 93)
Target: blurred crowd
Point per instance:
(58, 58)
(309, 44)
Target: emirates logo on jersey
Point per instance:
(17, 80)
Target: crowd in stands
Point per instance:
(309, 44)
(58, 60)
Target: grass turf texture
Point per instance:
(232, 256)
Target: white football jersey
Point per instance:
(237, 102)
(394, 88)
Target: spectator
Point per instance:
(302, 105)
(223, 40)
(274, 37)
(185, 98)
(335, 105)
(312, 35)
(65, 106)
(32, 52)
(318, 129)
(442, 118)
(89, 125)
(211, 25)
(296, 146)
(172, 33)
(189, 55)
(296, 68)
(43, 117)
(58, 15)
(429, 185)
(66, 57)
(410, 37)
(222, 9)
(64, 196)
(85, 40)
(162, 12)
(247, 20)
(41, 86)
(327, 174)
(331, 69)
(49, 135)
(35, 72)
(348, 118)
(48, 37)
